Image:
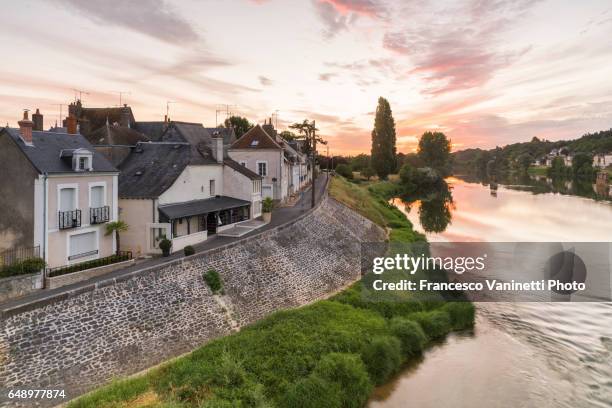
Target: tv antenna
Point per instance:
(121, 93)
(223, 108)
(80, 92)
(60, 110)
(275, 116)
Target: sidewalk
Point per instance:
(279, 216)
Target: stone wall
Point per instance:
(20, 285)
(119, 329)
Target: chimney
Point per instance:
(71, 124)
(37, 118)
(217, 146)
(124, 121)
(25, 128)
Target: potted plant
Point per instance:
(266, 209)
(165, 244)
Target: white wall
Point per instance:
(237, 185)
(194, 184)
(274, 158)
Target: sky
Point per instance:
(485, 73)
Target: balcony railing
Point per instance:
(69, 219)
(99, 215)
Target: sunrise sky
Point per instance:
(484, 72)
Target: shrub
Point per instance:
(213, 280)
(349, 373)
(383, 357)
(30, 265)
(461, 314)
(267, 205)
(189, 250)
(410, 334)
(435, 323)
(344, 170)
(165, 245)
(312, 392)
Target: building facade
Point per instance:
(61, 194)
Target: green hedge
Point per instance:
(27, 266)
(213, 280)
(95, 263)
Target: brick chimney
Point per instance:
(37, 118)
(25, 128)
(217, 146)
(71, 124)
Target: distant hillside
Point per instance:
(505, 157)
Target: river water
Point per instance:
(519, 354)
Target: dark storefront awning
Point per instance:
(197, 207)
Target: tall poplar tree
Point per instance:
(383, 140)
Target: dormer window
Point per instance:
(82, 160)
(254, 142)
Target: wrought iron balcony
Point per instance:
(69, 219)
(99, 215)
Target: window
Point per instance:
(212, 187)
(83, 245)
(254, 143)
(97, 197)
(262, 168)
(82, 163)
(67, 199)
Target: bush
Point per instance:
(312, 392)
(30, 265)
(213, 280)
(435, 324)
(348, 372)
(410, 334)
(383, 357)
(344, 170)
(267, 205)
(461, 314)
(189, 250)
(165, 245)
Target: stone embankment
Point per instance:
(118, 329)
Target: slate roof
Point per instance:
(153, 130)
(256, 138)
(98, 116)
(228, 134)
(116, 135)
(196, 207)
(242, 169)
(45, 154)
(196, 136)
(151, 168)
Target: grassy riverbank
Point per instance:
(330, 353)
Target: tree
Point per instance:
(308, 132)
(383, 140)
(582, 164)
(345, 171)
(241, 125)
(116, 227)
(288, 136)
(524, 161)
(368, 172)
(434, 150)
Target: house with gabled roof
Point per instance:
(59, 193)
(284, 170)
(183, 188)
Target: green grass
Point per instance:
(330, 353)
(537, 170)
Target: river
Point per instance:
(518, 354)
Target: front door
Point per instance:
(211, 223)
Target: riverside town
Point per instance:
(306, 204)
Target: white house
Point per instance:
(184, 189)
(602, 160)
(284, 170)
(57, 194)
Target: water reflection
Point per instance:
(522, 354)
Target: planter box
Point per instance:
(267, 217)
(74, 277)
